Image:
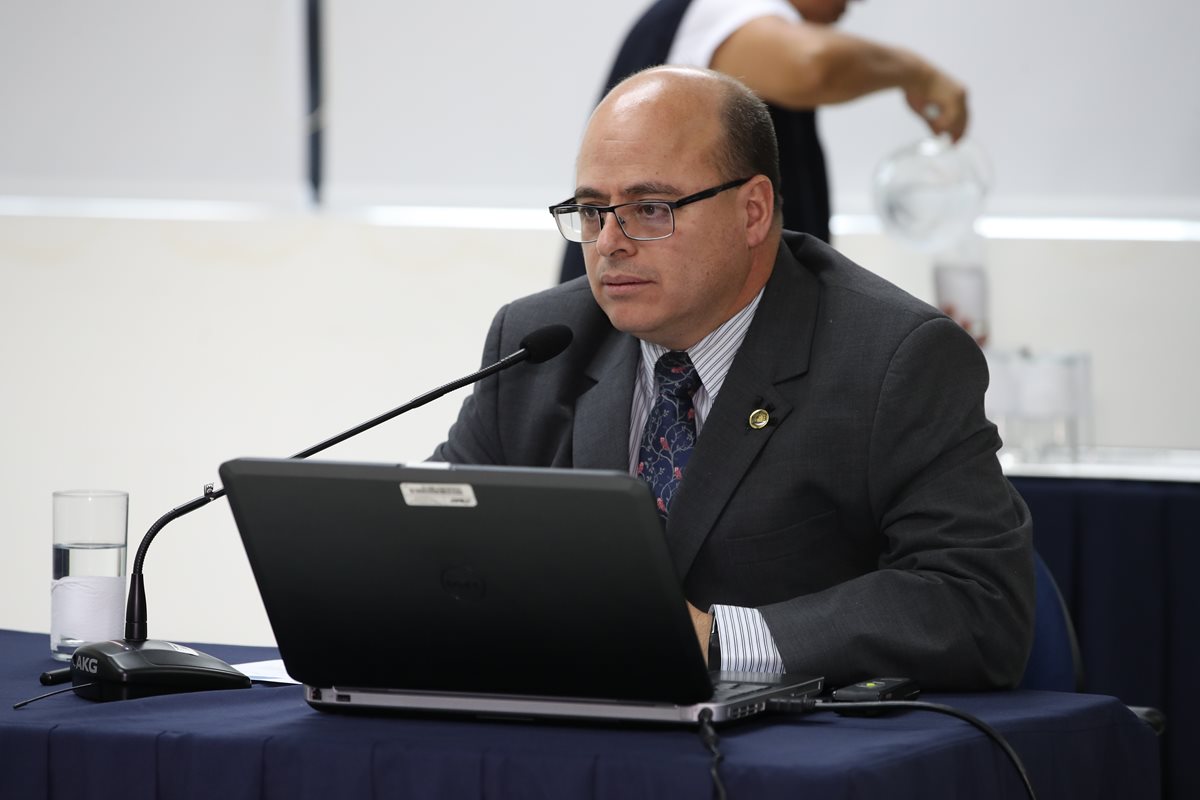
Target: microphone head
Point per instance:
(546, 342)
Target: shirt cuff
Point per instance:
(746, 642)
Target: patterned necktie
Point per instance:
(670, 432)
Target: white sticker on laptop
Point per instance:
(459, 495)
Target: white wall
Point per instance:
(139, 355)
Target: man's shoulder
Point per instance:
(846, 283)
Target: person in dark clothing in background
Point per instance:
(787, 52)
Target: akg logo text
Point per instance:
(84, 663)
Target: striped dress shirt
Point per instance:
(746, 642)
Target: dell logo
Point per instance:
(463, 584)
(84, 663)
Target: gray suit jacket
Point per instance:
(869, 521)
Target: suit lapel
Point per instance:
(601, 436)
(776, 349)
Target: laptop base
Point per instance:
(745, 695)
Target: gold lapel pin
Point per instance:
(759, 418)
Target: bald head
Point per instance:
(683, 89)
(688, 155)
(689, 103)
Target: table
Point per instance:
(1125, 553)
(265, 742)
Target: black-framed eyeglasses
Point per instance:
(641, 220)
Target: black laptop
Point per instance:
(480, 590)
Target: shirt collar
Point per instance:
(712, 355)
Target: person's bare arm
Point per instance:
(805, 65)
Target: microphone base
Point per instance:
(120, 669)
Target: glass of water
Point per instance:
(87, 579)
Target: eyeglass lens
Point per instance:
(638, 220)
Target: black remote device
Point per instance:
(878, 689)
(873, 690)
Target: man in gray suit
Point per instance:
(835, 506)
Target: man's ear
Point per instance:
(759, 199)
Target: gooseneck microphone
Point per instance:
(139, 667)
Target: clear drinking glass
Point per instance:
(1042, 404)
(87, 578)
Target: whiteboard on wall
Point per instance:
(142, 99)
(477, 104)
(1085, 108)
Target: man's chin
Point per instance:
(626, 322)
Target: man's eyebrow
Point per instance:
(645, 189)
(587, 193)
(652, 189)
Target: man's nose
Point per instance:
(612, 239)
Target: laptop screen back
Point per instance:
(467, 579)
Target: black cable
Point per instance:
(708, 735)
(921, 705)
(51, 694)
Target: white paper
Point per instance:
(269, 671)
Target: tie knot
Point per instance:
(676, 374)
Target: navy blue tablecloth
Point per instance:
(265, 742)
(1125, 555)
